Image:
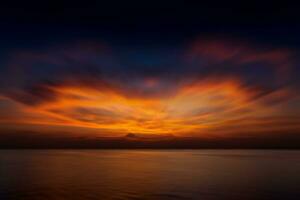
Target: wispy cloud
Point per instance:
(210, 87)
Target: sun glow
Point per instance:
(194, 107)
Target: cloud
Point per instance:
(252, 62)
(217, 85)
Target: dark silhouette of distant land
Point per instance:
(33, 140)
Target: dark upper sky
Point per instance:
(175, 19)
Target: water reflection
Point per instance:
(149, 174)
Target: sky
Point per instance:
(169, 73)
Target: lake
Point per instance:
(150, 174)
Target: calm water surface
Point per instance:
(149, 174)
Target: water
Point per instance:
(149, 174)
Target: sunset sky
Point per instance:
(202, 75)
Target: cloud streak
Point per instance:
(211, 88)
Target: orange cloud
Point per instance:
(236, 54)
(193, 109)
(219, 95)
